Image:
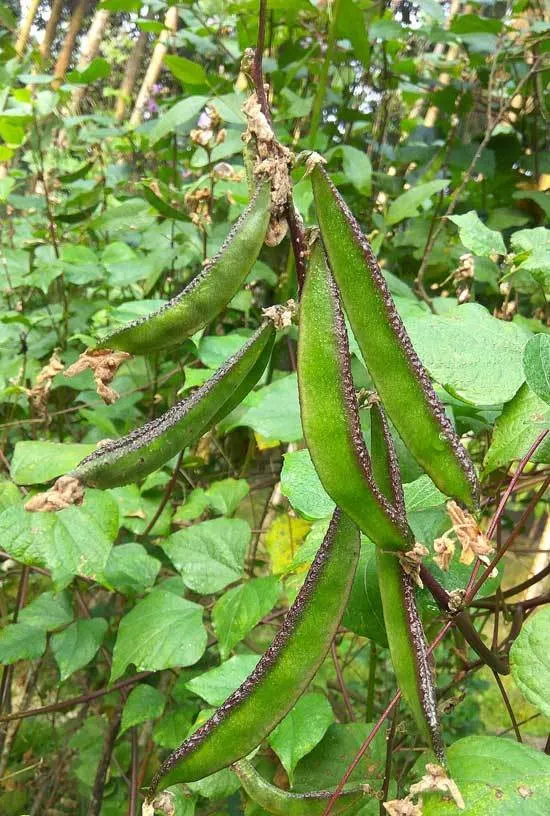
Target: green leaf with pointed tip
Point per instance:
(216, 685)
(530, 660)
(162, 631)
(130, 569)
(520, 423)
(407, 204)
(496, 777)
(144, 703)
(302, 729)
(209, 555)
(20, 641)
(226, 495)
(179, 114)
(49, 611)
(77, 645)
(476, 237)
(40, 462)
(536, 364)
(241, 608)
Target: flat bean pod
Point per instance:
(284, 670)
(144, 450)
(207, 294)
(399, 377)
(330, 418)
(412, 664)
(284, 803)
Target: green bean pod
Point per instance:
(412, 664)
(146, 449)
(399, 377)
(284, 670)
(330, 418)
(207, 294)
(285, 803)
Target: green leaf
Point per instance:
(144, 703)
(9, 495)
(476, 237)
(209, 555)
(324, 767)
(540, 197)
(20, 641)
(77, 645)
(522, 420)
(172, 729)
(273, 411)
(530, 660)
(301, 730)
(194, 505)
(49, 611)
(241, 608)
(162, 631)
(99, 68)
(301, 485)
(185, 70)
(350, 25)
(357, 167)
(131, 215)
(536, 364)
(535, 244)
(226, 495)
(130, 569)
(39, 462)
(496, 777)
(75, 541)
(472, 354)
(364, 614)
(422, 494)
(408, 204)
(179, 114)
(216, 685)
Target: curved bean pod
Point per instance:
(284, 670)
(399, 377)
(207, 294)
(144, 450)
(412, 664)
(284, 803)
(330, 418)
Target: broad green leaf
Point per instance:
(99, 68)
(273, 411)
(75, 541)
(194, 505)
(536, 364)
(351, 26)
(137, 510)
(20, 641)
(216, 685)
(226, 495)
(364, 614)
(77, 645)
(539, 196)
(144, 703)
(408, 204)
(496, 777)
(179, 114)
(214, 351)
(302, 729)
(187, 71)
(172, 728)
(9, 494)
(522, 420)
(422, 494)
(162, 631)
(39, 462)
(476, 237)
(530, 660)
(283, 538)
(130, 214)
(324, 767)
(49, 611)
(357, 167)
(533, 253)
(241, 608)
(301, 485)
(472, 354)
(130, 569)
(209, 555)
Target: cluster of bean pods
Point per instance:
(343, 274)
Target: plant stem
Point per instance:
(371, 683)
(317, 107)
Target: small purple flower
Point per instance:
(204, 121)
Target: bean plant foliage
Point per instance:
(130, 615)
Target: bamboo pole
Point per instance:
(65, 54)
(130, 75)
(89, 51)
(25, 30)
(154, 69)
(51, 28)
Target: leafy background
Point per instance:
(433, 119)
